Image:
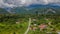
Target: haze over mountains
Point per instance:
(19, 3)
(28, 6)
(31, 9)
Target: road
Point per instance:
(28, 26)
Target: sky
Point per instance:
(17, 3)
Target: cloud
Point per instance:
(16, 3)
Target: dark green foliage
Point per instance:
(8, 23)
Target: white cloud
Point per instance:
(15, 3)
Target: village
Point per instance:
(45, 23)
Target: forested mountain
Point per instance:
(32, 9)
(3, 11)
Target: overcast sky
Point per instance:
(16, 3)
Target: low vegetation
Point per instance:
(17, 24)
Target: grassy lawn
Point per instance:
(10, 29)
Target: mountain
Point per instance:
(3, 11)
(43, 6)
(31, 9)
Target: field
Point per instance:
(18, 24)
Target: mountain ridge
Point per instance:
(32, 9)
